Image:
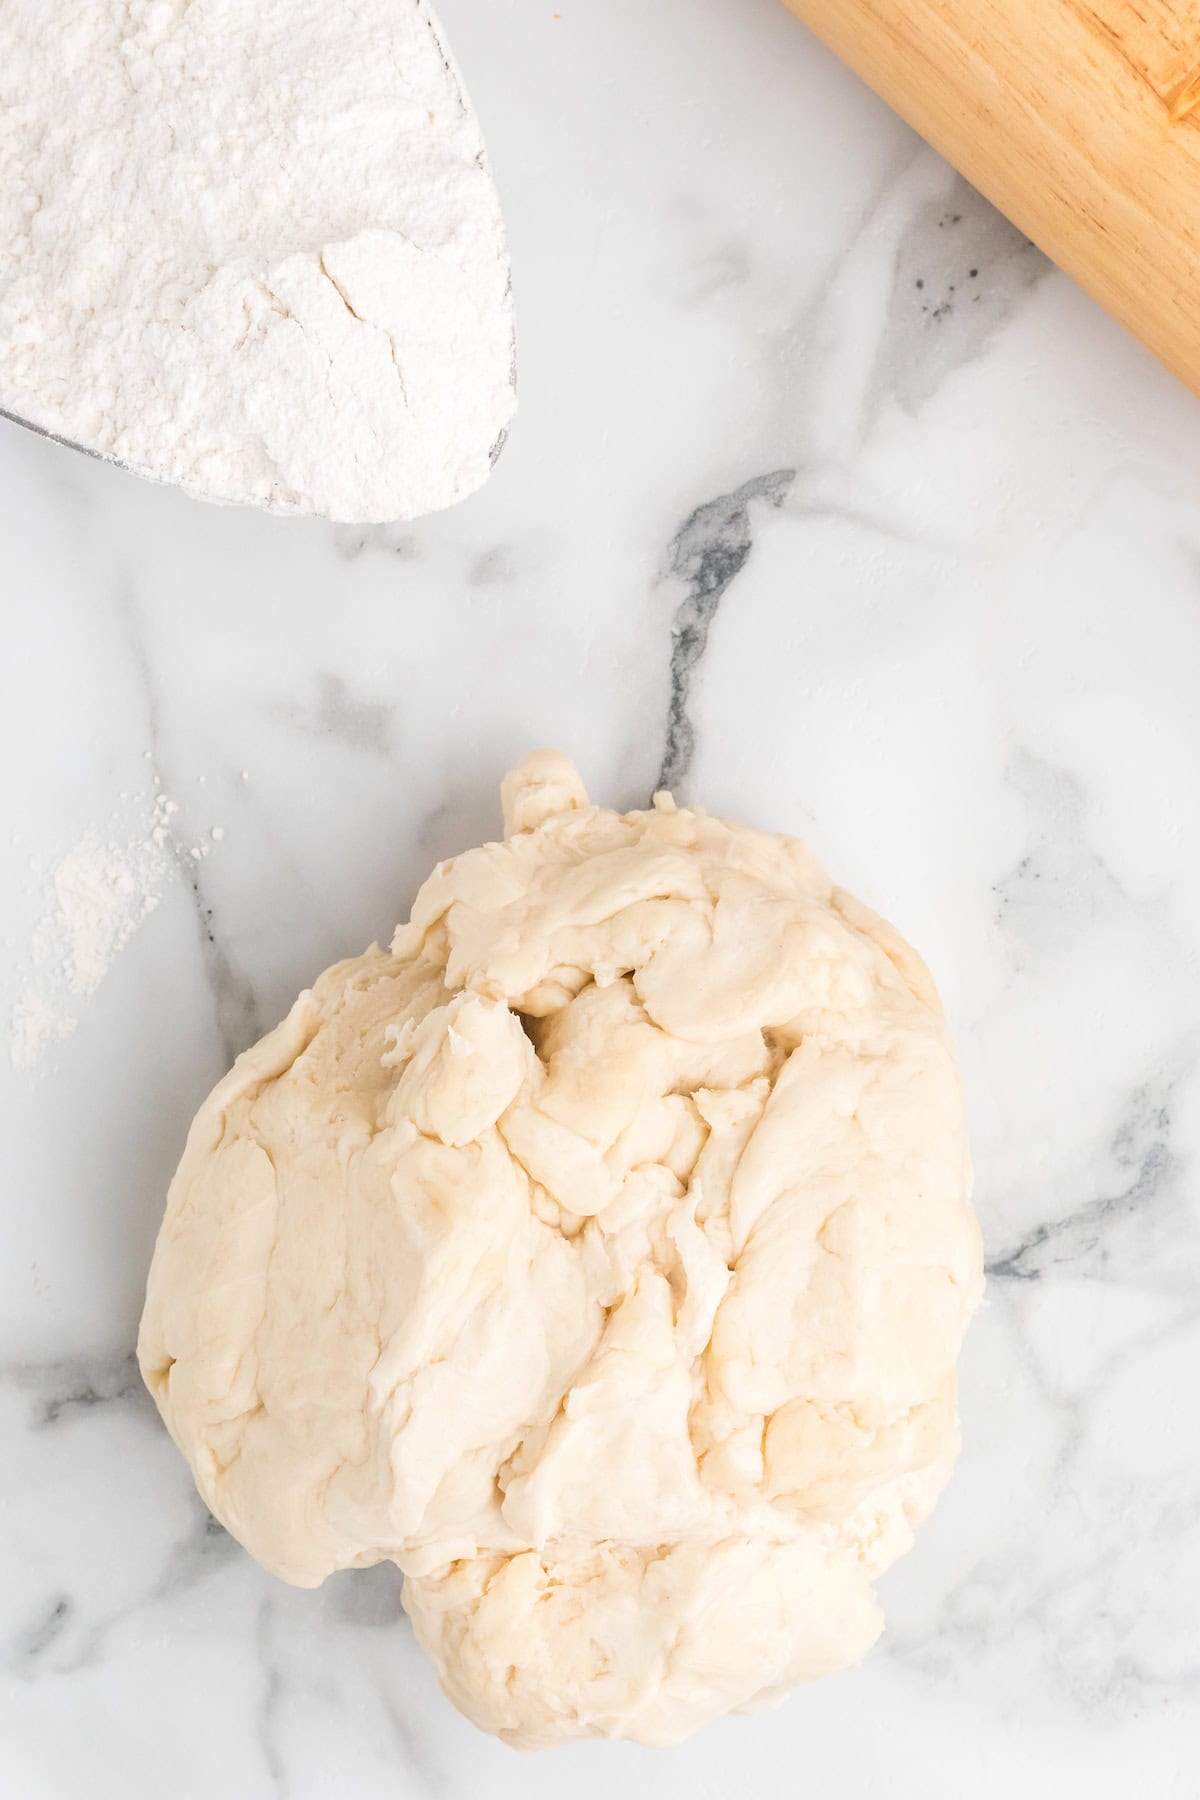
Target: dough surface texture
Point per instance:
(600, 1254)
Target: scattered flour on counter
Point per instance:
(35, 1026)
(102, 893)
(96, 897)
(253, 247)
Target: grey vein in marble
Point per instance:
(499, 566)
(269, 1702)
(370, 1597)
(399, 541)
(1060, 880)
(59, 1637)
(1089, 1239)
(707, 553)
(205, 1547)
(235, 1006)
(59, 1390)
(1059, 889)
(962, 270)
(1078, 1239)
(1064, 1572)
(343, 717)
(37, 1637)
(65, 1388)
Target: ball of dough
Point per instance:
(600, 1254)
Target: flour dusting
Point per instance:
(103, 893)
(97, 895)
(35, 1026)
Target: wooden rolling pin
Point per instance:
(1080, 119)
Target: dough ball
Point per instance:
(600, 1254)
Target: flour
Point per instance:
(36, 1024)
(253, 247)
(102, 894)
(96, 897)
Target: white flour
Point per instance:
(36, 1024)
(102, 894)
(253, 246)
(96, 897)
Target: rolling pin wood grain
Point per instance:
(1080, 119)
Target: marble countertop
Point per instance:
(833, 505)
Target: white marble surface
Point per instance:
(912, 570)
